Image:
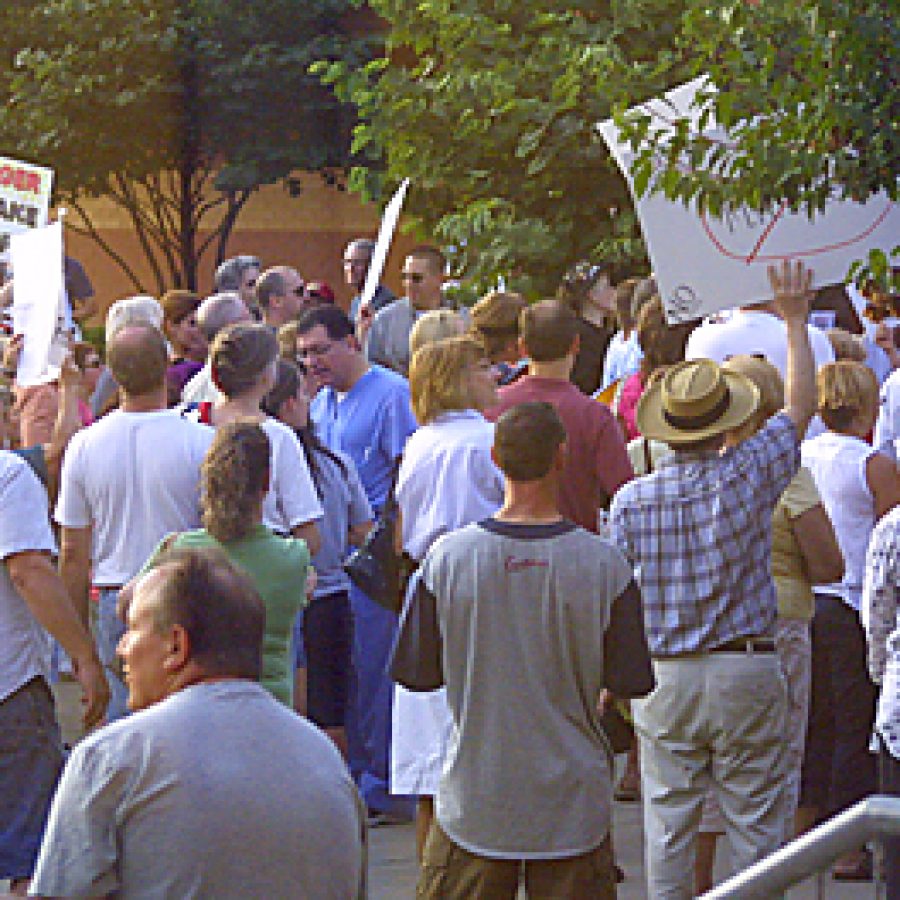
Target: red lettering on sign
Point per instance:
(21, 179)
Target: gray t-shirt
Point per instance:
(24, 526)
(388, 340)
(345, 504)
(218, 791)
(533, 621)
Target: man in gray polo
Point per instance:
(387, 341)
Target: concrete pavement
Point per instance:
(393, 869)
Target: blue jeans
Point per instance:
(110, 629)
(31, 758)
(369, 707)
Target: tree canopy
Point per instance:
(809, 94)
(491, 110)
(176, 110)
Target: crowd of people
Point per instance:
(615, 535)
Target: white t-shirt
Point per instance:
(756, 333)
(447, 479)
(292, 499)
(133, 477)
(200, 389)
(24, 526)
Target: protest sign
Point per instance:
(24, 199)
(383, 243)
(704, 263)
(37, 257)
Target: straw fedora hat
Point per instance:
(695, 400)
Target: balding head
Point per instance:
(219, 310)
(138, 358)
(279, 292)
(548, 330)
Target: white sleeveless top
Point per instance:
(838, 466)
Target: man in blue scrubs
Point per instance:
(364, 411)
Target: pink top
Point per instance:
(632, 391)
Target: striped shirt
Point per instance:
(881, 618)
(698, 532)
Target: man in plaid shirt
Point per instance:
(698, 533)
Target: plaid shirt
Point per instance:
(698, 532)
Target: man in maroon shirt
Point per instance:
(597, 464)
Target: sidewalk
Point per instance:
(392, 865)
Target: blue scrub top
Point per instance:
(371, 425)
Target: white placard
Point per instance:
(704, 264)
(24, 199)
(37, 257)
(383, 243)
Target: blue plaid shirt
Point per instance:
(698, 532)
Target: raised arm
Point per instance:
(791, 283)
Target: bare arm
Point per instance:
(74, 567)
(884, 483)
(309, 532)
(822, 557)
(358, 532)
(398, 532)
(34, 577)
(791, 295)
(68, 421)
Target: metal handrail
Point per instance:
(813, 851)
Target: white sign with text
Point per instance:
(704, 263)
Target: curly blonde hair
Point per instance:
(438, 381)
(234, 474)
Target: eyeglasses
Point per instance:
(316, 350)
(414, 277)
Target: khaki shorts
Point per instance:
(451, 873)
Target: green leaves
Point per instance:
(158, 104)
(491, 110)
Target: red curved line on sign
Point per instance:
(776, 257)
(754, 253)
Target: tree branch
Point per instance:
(89, 230)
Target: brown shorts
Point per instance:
(451, 873)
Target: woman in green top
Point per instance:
(235, 479)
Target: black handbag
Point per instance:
(618, 729)
(374, 567)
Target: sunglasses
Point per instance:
(414, 277)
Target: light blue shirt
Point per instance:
(370, 424)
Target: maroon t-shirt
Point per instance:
(598, 462)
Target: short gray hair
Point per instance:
(219, 310)
(367, 245)
(231, 272)
(141, 308)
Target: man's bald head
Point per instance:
(138, 358)
(219, 310)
